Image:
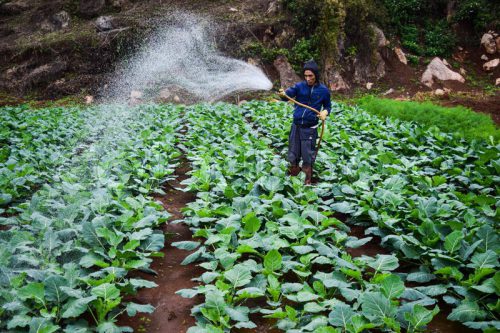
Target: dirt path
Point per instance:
(173, 312)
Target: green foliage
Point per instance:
(465, 122)
(436, 39)
(304, 15)
(267, 54)
(410, 39)
(89, 220)
(439, 39)
(428, 195)
(303, 50)
(483, 14)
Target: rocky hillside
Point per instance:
(56, 48)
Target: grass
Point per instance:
(460, 120)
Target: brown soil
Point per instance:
(488, 105)
(173, 312)
(372, 248)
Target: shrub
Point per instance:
(483, 14)
(439, 39)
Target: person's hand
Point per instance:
(322, 115)
(281, 92)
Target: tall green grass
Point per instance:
(460, 120)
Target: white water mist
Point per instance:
(183, 54)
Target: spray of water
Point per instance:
(182, 54)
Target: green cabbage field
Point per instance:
(77, 215)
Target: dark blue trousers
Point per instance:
(302, 145)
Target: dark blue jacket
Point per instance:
(316, 96)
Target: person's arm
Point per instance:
(327, 107)
(327, 103)
(290, 92)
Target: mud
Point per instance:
(173, 312)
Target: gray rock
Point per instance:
(288, 77)
(56, 22)
(105, 23)
(336, 82)
(368, 68)
(492, 64)
(489, 43)
(438, 70)
(90, 8)
(44, 73)
(273, 8)
(401, 55)
(61, 20)
(381, 41)
(176, 94)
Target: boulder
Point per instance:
(388, 92)
(61, 20)
(14, 7)
(273, 8)
(135, 97)
(369, 85)
(176, 94)
(89, 99)
(438, 70)
(105, 23)
(44, 73)
(484, 57)
(492, 64)
(401, 55)
(288, 77)
(380, 39)
(439, 92)
(56, 22)
(336, 82)
(368, 68)
(91, 8)
(489, 43)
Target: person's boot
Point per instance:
(293, 170)
(309, 172)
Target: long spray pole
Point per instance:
(317, 112)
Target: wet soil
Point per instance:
(173, 312)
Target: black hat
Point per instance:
(312, 66)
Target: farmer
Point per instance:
(304, 131)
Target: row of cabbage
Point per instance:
(34, 143)
(66, 252)
(272, 248)
(430, 196)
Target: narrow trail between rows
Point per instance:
(173, 312)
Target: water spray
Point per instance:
(182, 56)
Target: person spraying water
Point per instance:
(312, 103)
